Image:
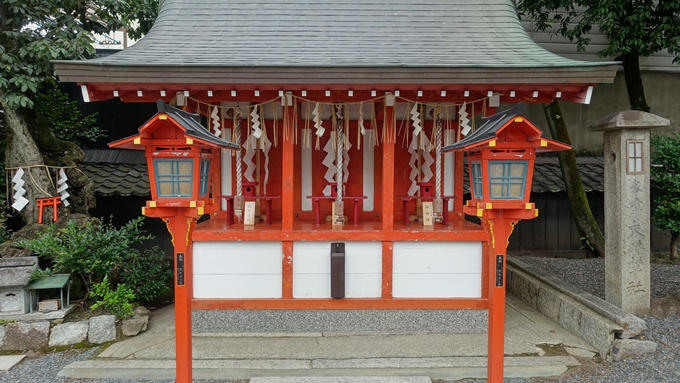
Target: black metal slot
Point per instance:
(337, 270)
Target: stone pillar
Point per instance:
(627, 207)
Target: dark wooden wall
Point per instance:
(554, 228)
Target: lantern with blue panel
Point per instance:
(501, 155)
(181, 157)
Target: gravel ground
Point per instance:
(588, 274)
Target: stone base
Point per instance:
(340, 321)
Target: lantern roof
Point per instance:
(353, 42)
(188, 123)
(494, 126)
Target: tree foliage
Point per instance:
(665, 177)
(65, 119)
(634, 28)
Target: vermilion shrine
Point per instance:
(346, 124)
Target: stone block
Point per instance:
(142, 311)
(69, 333)
(631, 348)
(592, 328)
(102, 329)
(661, 307)
(134, 326)
(524, 288)
(27, 335)
(548, 303)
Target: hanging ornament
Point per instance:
(20, 201)
(216, 122)
(62, 186)
(250, 145)
(320, 130)
(255, 121)
(464, 121)
(415, 117)
(361, 119)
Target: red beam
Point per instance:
(340, 304)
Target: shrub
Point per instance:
(147, 273)
(96, 251)
(665, 176)
(118, 301)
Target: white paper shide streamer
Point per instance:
(320, 130)
(255, 123)
(216, 122)
(20, 201)
(62, 186)
(362, 129)
(415, 117)
(464, 121)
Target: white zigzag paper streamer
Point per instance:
(329, 162)
(216, 122)
(464, 121)
(250, 145)
(255, 123)
(62, 186)
(415, 117)
(428, 160)
(362, 129)
(20, 201)
(320, 130)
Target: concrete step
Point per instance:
(436, 368)
(344, 379)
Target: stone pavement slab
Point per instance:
(435, 368)
(9, 361)
(344, 379)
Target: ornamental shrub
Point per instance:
(118, 302)
(665, 176)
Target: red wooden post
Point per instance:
(500, 229)
(287, 165)
(181, 229)
(388, 165)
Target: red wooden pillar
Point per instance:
(287, 166)
(388, 164)
(500, 229)
(181, 229)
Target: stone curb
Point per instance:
(561, 307)
(632, 325)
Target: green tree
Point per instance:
(32, 33)
(635, 29)
(665, 176)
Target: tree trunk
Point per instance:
(675, 236)
(591, 236)
(22, 151)
(31, 145)
(634, 88)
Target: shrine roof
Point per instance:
(331, 42)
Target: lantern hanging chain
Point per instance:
(438, 152)
(339, 153)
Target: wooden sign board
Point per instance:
(428, 214)
(249, 214)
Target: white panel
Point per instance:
(225, 176)
(237, 286)
(369, 177)
(437, 285)
(306, 167)
(437, 269)
(433, 258)
(449, 166)
(312, 266)
(237, 269)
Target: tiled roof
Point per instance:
(548, 176)
(124, 173)
(232, 40)
(117, 172)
